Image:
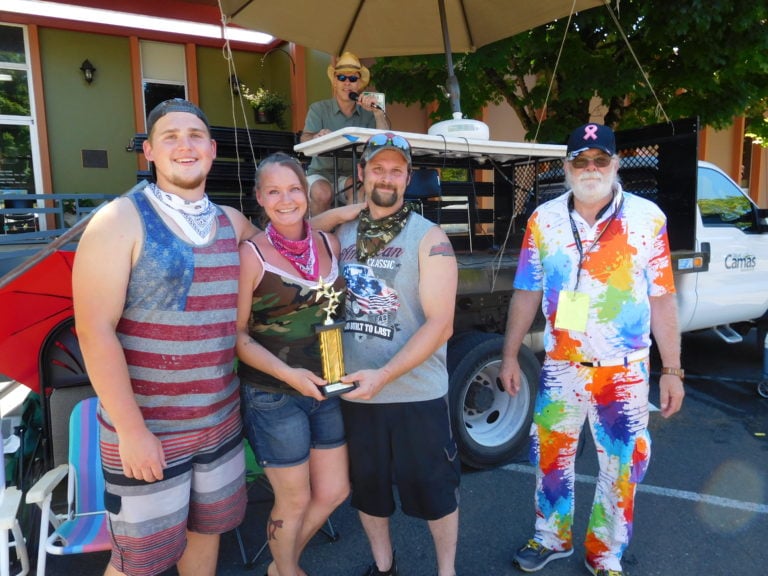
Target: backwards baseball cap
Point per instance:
(174, 105)
(591, 136)
(386, 141)
(349, 64)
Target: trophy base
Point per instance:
(331, 390)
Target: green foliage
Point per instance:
(454, 174)
(702, 58)
(14, 96)
(735, 209)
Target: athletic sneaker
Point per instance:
(373, 570)
(601, 571)
(533, 556)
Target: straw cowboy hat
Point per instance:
(349, 64)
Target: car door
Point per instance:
(734, 287)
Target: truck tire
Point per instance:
(490, 425)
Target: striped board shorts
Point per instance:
(201, 491)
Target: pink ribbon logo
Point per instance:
(590, 132)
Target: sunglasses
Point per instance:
(344, 78)
(387, 139)
(601, 161)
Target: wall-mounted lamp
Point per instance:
(88, 70)
(234, 82)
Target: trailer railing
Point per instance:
(40, 218)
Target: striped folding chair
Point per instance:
(83, 528)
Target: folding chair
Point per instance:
(63, 382)
(10, 499)
(423, 187)
(22, 218)
(83, 527)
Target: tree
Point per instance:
(705, 58)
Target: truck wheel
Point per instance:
(762, 388)
(490, 425)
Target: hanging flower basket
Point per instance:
(268, 106)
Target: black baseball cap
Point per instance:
(174, 105)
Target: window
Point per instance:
(722, 203)
(19, 156)
(163, 70)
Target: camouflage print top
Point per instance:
(284, 313)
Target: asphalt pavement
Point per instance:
(703, 508)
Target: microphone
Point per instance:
(356, 97)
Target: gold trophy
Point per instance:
(331, 352)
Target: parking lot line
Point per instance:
(667, 492)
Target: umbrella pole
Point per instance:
(453, 83)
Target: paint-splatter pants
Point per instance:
(614, 400)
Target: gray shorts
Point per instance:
(339, 191)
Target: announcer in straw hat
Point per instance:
(347, 76)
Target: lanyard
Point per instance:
(577, 239)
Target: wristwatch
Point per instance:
(679, 372)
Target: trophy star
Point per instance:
(335, 299)
(325, 289)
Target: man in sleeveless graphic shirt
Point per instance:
(155, 296)
(401, 276)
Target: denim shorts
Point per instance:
(282, 427)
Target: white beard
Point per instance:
(591, 187)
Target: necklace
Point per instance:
(302, 254)
(194, 218)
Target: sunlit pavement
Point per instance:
(702, 509)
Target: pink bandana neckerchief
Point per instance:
(302, 254)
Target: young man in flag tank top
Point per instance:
(155, 297)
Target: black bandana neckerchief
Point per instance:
(373, 235)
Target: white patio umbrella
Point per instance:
(374, 28)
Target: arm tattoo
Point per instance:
(442, 249)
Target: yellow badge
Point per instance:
(572, 311)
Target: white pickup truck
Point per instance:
(732, 294)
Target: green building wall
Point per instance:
(318, 85)
(91, 117)
(216, 98)
(99, 117)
